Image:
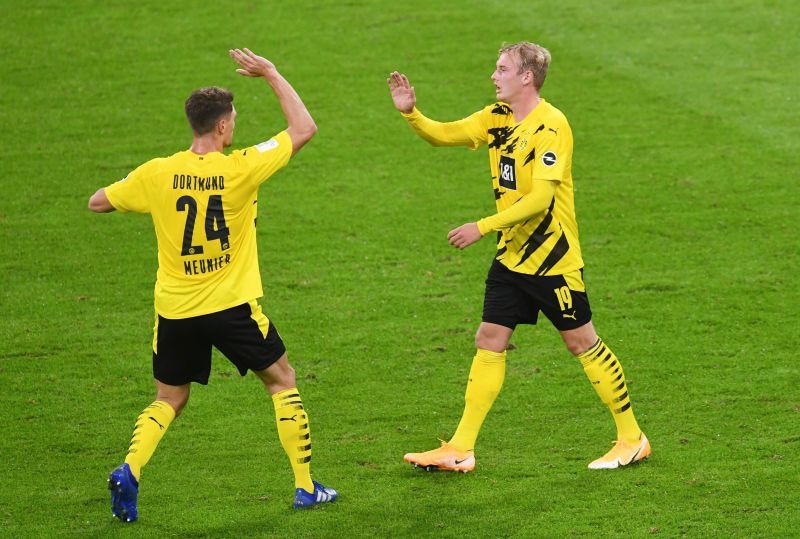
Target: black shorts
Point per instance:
(513, 298)
(182, 348)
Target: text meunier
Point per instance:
(206, 265)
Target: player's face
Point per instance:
(507, 81)
(227, 131)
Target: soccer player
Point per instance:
(203, 206)
(538, 265)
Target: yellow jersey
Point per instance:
(538, 147)
(203, 209)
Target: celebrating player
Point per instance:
(203, 206)
(538, 265)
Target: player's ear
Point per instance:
(527, 77)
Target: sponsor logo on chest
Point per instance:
(507, 173)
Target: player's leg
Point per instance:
(569, 310)
(485, 380)
(486, 376)
(251, 342)
(294, 432)
(291, 419)
(180, 356)
(604, 372)
(153, 422)
(501, 308)
(151, 425)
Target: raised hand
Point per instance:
(252, 65)
(402, 92)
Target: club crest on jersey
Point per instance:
(549, 159)
(524, 141)
(507, 173)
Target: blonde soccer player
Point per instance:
(538, 265)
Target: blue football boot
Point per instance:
(124, 492)
(304, 499)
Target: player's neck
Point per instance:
(206, 144)
(523, 106)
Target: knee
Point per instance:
(576, 348)
(176, 401)
(487, 340)
(286, 377)
(278, 376)
(580, 339)
(577, 345)
(481, 340)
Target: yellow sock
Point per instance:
(295, 435)
(150, 427)
(605, 373)
(485, 380)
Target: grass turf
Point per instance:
(685, 151)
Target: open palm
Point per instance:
(252, 65)
(402, 92)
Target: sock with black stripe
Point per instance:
(295, 435)
(151, 425)
(605, 373)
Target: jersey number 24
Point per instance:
(216, 229)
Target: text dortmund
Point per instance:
(198, 183)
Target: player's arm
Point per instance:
(128, 194)
(459, 133)
(99, 202)
(301, 125)
(523, 209)
(531, 204)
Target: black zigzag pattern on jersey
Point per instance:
(503, 110)
(532, 154)
(510, 148)
(502, 249)
(530, 157)
(538, 236)
(501, 135)
(556, 253)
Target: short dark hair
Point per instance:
(207, 105)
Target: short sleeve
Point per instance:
(554, 154)
(265, 159)
(130, 193)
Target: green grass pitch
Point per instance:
(686, 166)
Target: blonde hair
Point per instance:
(529, 57)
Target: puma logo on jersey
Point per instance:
(568, 315)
